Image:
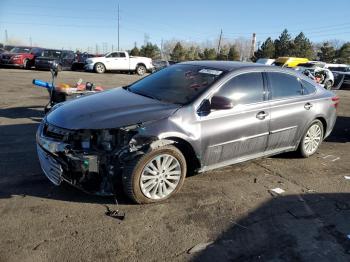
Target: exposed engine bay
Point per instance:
(91, 160)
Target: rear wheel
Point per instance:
(155, 176)
(141, 70)
(328, 85)
(312, 139)
(99, 68)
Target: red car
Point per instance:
(20, 56)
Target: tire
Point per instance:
(26, 64)
(141, 70)
(137, 189)
(328, 85)
(315, 130)
(99, 68)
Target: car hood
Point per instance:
(110, 109)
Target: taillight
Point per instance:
(335, 100)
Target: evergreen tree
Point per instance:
(179, 53)
(343, 54)
(302, 47)
(327, 53)
(209, 54)
(150, 50)
(192, 53)
(266, 50)
(135, 51)
(223, 54)
(283, 44)
(233, 54)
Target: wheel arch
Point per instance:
(193, 162)
(324, 124)
(140, 64)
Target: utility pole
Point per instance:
(118, 27)
(252, 50)
(30, 41)
(6, 37)
(219, 44)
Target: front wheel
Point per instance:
(312, 139)
(26, 64)
(141, 70)
(155, 176)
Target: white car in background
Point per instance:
(265, 61)
(318, 68)
(119, 61)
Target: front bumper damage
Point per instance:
(91, 160)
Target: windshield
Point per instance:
(20, 50)
(178, 84)
(51, 53)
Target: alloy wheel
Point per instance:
(312, 139)
(160, 176)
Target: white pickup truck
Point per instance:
(119, 61)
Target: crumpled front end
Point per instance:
(91, 160)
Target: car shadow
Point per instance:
(341, 131)
(35, 113)
(308, 227)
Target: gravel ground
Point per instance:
(227, 214)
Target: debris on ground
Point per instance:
(347, 177)
(199, 247)
(114, 213)
(276, 191)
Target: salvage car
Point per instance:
(20, 56)
(189, 117)
(119, 61)
(64, 59)
(318, 71)
(341, 74)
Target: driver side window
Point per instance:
(247, 88)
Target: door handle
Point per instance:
(308, 106)
(261, 115)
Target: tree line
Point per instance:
(284, 45)
(301, 46)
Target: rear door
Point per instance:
(241, 131)
(118, 61)
(67, 59)
(291, 110)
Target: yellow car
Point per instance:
(290, 61)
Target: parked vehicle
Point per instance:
(290, 61)
(80, 59)
(160, 64)
(64, 58)
(265, 61)
(20, 56)
(2, 50)
(9, 47)
(318, 72)
(119, 61)
(190, 116)
(341, 74)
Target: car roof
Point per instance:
(222, 65)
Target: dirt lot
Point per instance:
(231, 207)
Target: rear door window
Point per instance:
(246, 88)
(284, 85)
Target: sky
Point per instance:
(83, 24)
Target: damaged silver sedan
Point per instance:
(190, 117)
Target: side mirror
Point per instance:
(54, 68)
(220, 103)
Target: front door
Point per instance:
(240, 132)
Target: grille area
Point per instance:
(50, 167)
